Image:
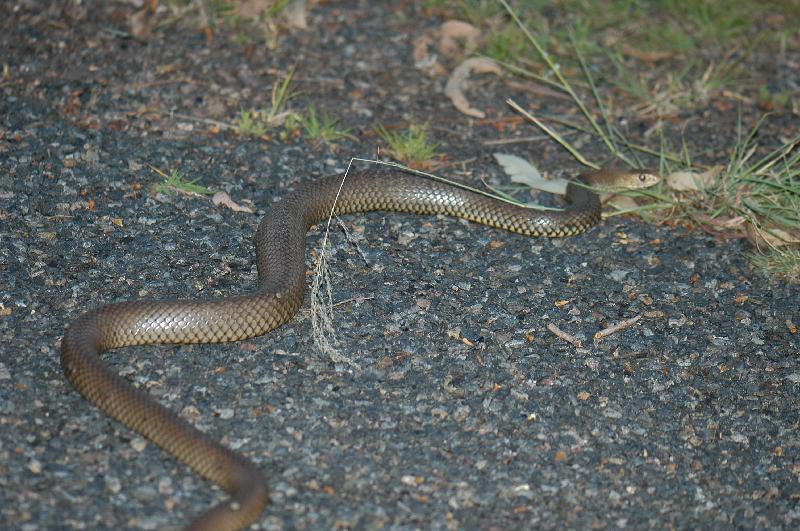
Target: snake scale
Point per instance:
(280, 255)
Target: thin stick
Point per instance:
(574, 341)
(555, 69)
(516, 140)
(352, 241)
(207, 121)
(558, 138)
(447, 181)
(613, 329)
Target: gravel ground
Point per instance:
(464, 411)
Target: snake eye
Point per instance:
(642, 177)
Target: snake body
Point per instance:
(280, 251)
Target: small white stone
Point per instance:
(226, 413)
(35, 466)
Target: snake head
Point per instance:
(614, 180)
(644, 178)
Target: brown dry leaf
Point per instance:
(771, 237)
(734, 223)
(427, 62)
(453, 33)
(458, 81)
(622, 202)
(222, 198)
(251, 9)
(685, 181)
(649, 56)
(142, 22)
(420, 49)
(296, 15)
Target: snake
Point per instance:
(280, 242)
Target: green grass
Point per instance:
(249, 123)
(411, 147)
(175, 183)
(756, 194)
(216, 16)
(277, 8)
(778, 264)
(203, 13)
(257, 123)
(282, 92)
(321, 128)
(770, 100)
(616, 37)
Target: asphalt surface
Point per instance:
(464, 409)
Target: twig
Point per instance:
(558, 138)
(613, 329)
(574, 341)
(352, 241)
(207, 121)
(517, 140)
(359, 300)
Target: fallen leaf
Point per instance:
(222, 198)
(770, 237)
(684, 181)
(420, 49)
(458, 81)
(453, 33)
(251, 9)
(521, 171)
(736, 222)
(650, 56)
(296, 14)
(143, 21)
(425, 61)
(622, 202)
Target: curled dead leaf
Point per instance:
(424, 60)
(420, 49)
(455, 32)
(762, 237)
(458, 81)
(686, 181)
(142, 22)
(735, 223)
(522, 171)
(222, 198)
(621, 202)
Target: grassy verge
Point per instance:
(322, 127)
(637, 45)
(411, 146)
(755, 194)
(258, 122)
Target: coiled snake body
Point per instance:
(280, 251)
